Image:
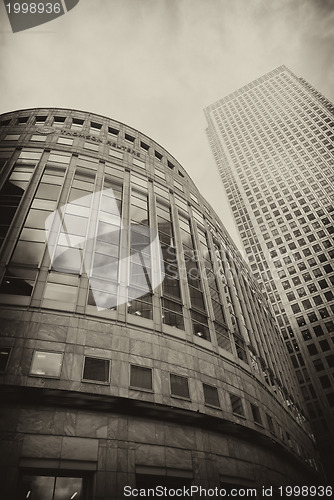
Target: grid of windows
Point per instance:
(273, 144)
(100, 213)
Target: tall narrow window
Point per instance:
(4, 358)
(236, 404)
(256, 414)
(211, 397)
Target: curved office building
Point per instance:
(136, 348)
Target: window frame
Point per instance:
(57, 377)
(92, 381)
(138, 388)
(179, 396)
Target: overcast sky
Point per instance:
(156, 64)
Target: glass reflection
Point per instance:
(35, 487)
(68, 488)
(46, 364)
(28, 252)
(18, 281)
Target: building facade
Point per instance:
(273, 145)
(136, 347)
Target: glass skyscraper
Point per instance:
(273, 144)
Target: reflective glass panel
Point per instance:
(62, 293)
(28, 252)
(46, 363)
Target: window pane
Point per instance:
(68, 488)
(179, 386)
(48, 191)
(211, 395)
(36, 487)
(4, 357)
(237, 407)
(62, 293)
(96, 369)
(27, 252)
(141, 377)
(67, 260)
(46, 364)
(36, 218)
(75, 225)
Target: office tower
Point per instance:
(273, 144)
(124, 362)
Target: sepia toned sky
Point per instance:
(156, 64)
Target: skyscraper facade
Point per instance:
(127, 363)
(273, 144)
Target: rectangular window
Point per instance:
(179, 386)
(113, 131)
(38, 138)
(256, 414)
(129, 137)
(91, 146)
(211, 397)
(12, 137)
(237, 407)
(141, 377)
(4, 358)
(58, 121)
(51, 487)
(64, 140)
(96, 369)
(46, 364)
(172, 314)
(270, 424)
(116, 154)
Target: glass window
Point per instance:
(18, 281)
(50, 487)
(12, 137)
(91, 146)
(172, 314)
(211, 397)
(256, 414)
(75, 225)
(141, 377)
(47, 191)
(270, 424)
(65, 141)
(38, 137)
(200, 325)
(4, 358)
(60, 293)
(179, 386)
(236, 404)
(96, 369)
(28, 253)
(46, 364)
(116, 154)
(59, 158)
